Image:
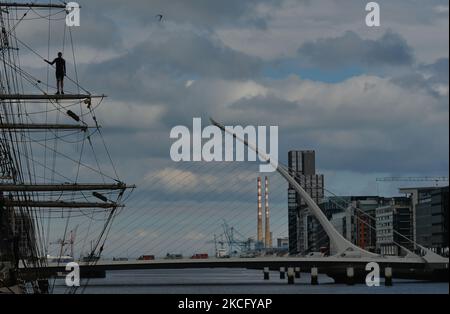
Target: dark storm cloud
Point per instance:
(191, 55)
(177, 56)
(98, 31)
(350, 49)
(438, 71)
(433, 78)
(202, 13)
(366, 124)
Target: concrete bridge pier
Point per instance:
(388, 276)
(282, 273)
(350, 276)
(314, 276)
(266, 273)
(297, 272)
(290, 275)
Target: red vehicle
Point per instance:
(146, 258)
(200, 256)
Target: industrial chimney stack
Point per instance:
(260, 232)
(268, 236)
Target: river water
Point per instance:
(238, 281)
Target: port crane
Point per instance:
(218, 240)
(235, 240)
(64, 242)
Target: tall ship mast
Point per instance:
(56, 174)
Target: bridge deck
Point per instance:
(250, 263)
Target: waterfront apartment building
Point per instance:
(364, 226)
(336, 209)
(430, 217)
(355, 218)
(305, 233)
(394, 227)
(376, 223)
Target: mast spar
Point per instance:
(43, 127)
(32, 5)
(48, 97)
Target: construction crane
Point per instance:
(70, 241)
(411, 179)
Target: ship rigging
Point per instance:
(49, 152)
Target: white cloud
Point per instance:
(189, 83)
(130, 115)
(441, 9)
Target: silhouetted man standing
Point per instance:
(60, 65)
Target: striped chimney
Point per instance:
(267, 234)
(260, 232)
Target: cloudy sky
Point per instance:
(372, 102)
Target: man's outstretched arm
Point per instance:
(51, 63)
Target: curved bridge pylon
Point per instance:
(342, 246)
